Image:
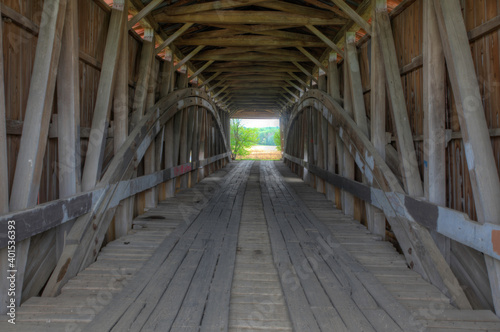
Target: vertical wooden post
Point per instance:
(404, 137)
(123, 214)
(98, 132)
(351, 65)
(182, 81)
(184, 145)
(4, 185)
(36, 123)
(377, 114)
(348, 160)
(151, 199)
(178, 124)
(68, 124)
(434, 102)
(142, 86)
(140, 101)
(478, 150)
(305, 131)
(167, 86)
(203, 135)
(322, 135)
(359, 111)
(196, 144)
(189, 143)
(334, 91)
(169, 157)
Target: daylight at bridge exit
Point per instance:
(249, 165)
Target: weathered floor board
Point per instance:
(250, 248)
(118, 263)
(428, 309)
(257, 302)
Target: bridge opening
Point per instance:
(256, 139)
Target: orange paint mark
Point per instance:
(495, 240)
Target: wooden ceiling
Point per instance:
(258, 56)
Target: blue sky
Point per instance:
(259, 123)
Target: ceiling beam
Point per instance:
(295, 77)
(252, 56)
(248, 17)
(287, 98)
(266, 30)
(295, 85)
(257, 78)
(290, 92)
(353, 15)
(248, 40)
(143, 13)
(325, 39)
(207, 6)
(189, 56)
(334, 9)
(220, 91)
(297, 9)
(305, 71)
(216, 85)
(253, 70)
(311, 57)
(210, 79)
(173, 37)
(199, 71)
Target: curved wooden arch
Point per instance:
(420, 251)
(86, 236)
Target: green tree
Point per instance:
(277, 140)
(242, 138)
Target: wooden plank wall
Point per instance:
(19, 51)
(408, 34)
(407, 29)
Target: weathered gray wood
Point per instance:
(167, 76)
(68, 121)
(355, 272)
(88, 237)
(216, 315)
(123, 215)
(4, 185)
(173, 37)
(351, 66)
(36, 123)
(434, 102)
(334, 91)
(311, 57)
(359, 110)
(189, 56)
(426, 259)
(143, 13)
(325, 39)
(353, 15)
(161, 273)
(377, 114)
(406, 149)
(4, 170)
(347, 169)
(97, 141)
(478, 150)
(166, 87)
(143, 82)
(150, 158)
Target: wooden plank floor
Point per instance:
(117, 264)
(250, 248)
(257, 302)
(428, 308)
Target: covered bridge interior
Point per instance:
(121, 209)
